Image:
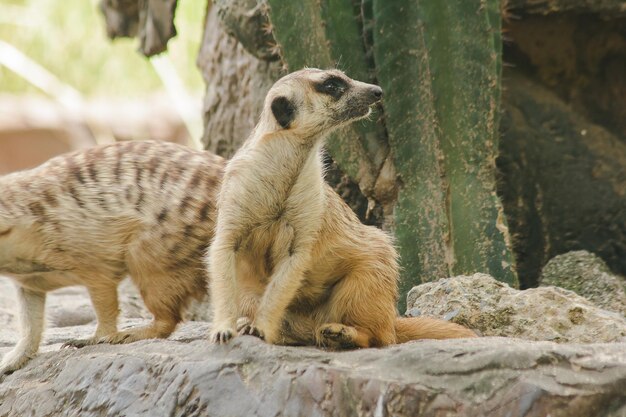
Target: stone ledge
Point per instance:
(186, 376)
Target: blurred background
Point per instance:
(64, 85)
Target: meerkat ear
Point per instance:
(284, 111)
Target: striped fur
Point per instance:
(144, 209)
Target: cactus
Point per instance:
(439, 64)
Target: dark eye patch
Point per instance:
(333, 86)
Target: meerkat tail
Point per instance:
(414, 328)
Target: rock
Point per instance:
(588, 276)
(495, 309)
(68, 307)
(186, 376)
(608, 8)
(562, 179)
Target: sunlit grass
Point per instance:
(69, 39)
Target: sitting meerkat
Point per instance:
(301, 266)
(144, 209)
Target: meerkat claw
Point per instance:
(251, 330)
(77, 343)
(222, 337)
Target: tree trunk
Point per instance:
(236, 84)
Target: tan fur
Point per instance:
(144, 209)
(300, 265)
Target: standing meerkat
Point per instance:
(301, 266)
(144, 209)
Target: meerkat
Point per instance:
(299, 264)
(90, 218)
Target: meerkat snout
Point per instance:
(376, 92)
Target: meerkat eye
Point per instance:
(332, 86)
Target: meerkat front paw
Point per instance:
(221, 337)
(243, 322)
(264, 330)
(221, 334)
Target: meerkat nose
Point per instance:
(376, 92)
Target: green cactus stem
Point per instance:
(439, 64)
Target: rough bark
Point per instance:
(236, 84)
(563, 181)
(247, 21)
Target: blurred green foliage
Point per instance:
(69, 39)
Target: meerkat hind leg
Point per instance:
(164, 299)
(341, 336)
(158, 329)
(105, 303)
(350, 322)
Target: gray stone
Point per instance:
(495, 309)
(561, 176)
(588, 276)
(186, 376)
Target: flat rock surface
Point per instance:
(186, 376)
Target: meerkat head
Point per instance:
(313, 102)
